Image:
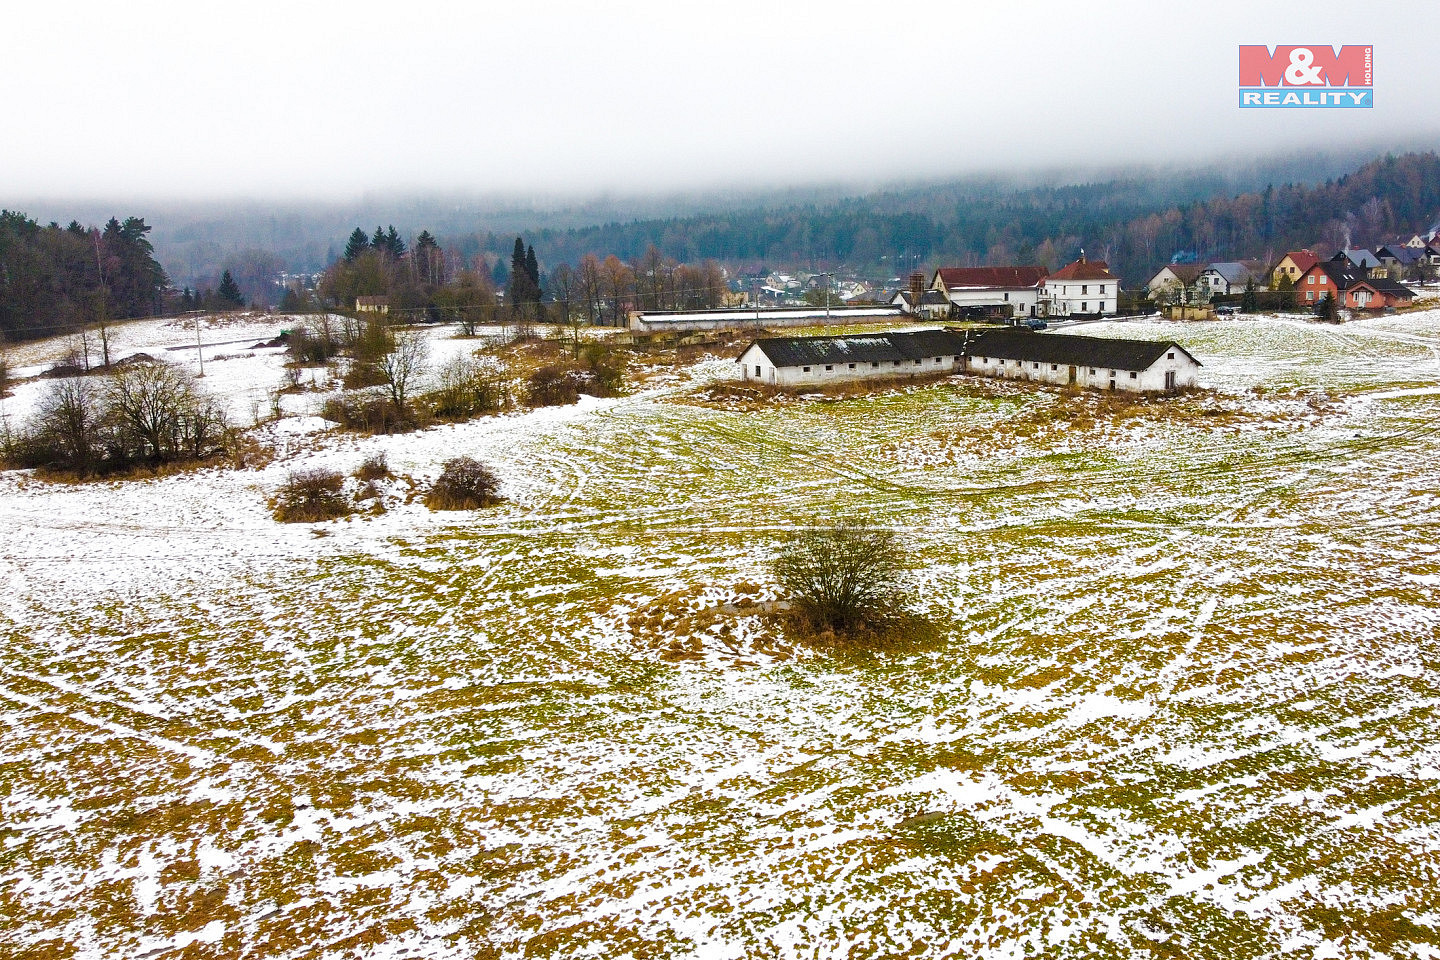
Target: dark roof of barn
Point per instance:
(1069, 349)
(858, 348)
(1005, 344)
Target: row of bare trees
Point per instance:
(144, 413)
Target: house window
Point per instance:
(1132, 375)
(829, 366)
(1084, 306)
(1310, 279)
(875, 365)
(1092, 371)
(1084, 288)
(757, 369)
(1007, 298)
(1309, 294)
(918, 362)
(807, 369)
(1053, 367)
(1170, 355)
(1102, 288)
(1035, 364)
(852, 366)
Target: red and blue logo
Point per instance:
(1307, 77)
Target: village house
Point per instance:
(931, 304)
(1228, 277)
(1292, 267)
(1097, 362)
(1399, 260)
(1364, 260)
(372, 304)
(1083, 287)
(1174, 283)
(1350, 285)
(999, 293)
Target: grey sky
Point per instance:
(329, 100)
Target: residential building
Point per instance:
(1174, 283)
(372, 304)
(1350, 285)
(1083, 287)
(1292, 267)
(1229, 277)
(931, 304)
(1002, 293)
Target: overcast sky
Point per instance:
(326, 101)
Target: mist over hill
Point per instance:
(870, 228)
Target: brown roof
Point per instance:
(1083, 269)
(1184, 272)
(1303, 259)
(991, 276)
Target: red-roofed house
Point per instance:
(1000, 292)
(1085, 286)
(1292, 267)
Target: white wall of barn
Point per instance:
(755, 366)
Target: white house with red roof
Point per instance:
(1082, 287)
(997, 292)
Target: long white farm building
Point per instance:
(1099, 362)
(758, 318)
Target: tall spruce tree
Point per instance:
(393, 244)
(356, 245)
(229, 295)
(532, 270)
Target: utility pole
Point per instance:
(199, 350)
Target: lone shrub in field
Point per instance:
(310, 496)
(374, 467)
(842, 579)
(464, 484)
(551, 387)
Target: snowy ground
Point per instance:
(1184, 705)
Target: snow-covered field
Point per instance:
(1184, 705)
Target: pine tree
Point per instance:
(229, 293)
(356, 245)
(393, 244)
(378, 241)
(532, 270)
(501, 275)
(520, 283)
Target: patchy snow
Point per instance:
(1184, 693)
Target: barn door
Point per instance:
(1072, 375)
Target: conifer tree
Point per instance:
(532, 270)
(393, 244)
(229, 295)
(356, 245)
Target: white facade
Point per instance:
(1064, 297)
(1020, 301)
(755, 366)
(1176, 370)
(741, 318)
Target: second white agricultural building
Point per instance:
(1099, 362)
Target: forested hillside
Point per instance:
(55, 278)
(1118, 221)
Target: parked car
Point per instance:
(1226, 310)
(1035, 323)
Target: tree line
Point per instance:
(1135, 224)
(55, 279)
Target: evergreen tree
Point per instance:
(500, 275)
(393, 244)
(532, 270)
(229, 296)
(378, 241)
(356, 245)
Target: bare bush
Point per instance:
(467, 387)
(374, 467)
(366, 414)
(842, 579)
(311, 496)
(606, 369)
(464, 484)
(551, 387)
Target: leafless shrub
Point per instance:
(464, 484)
(842, 579)
(374, 467)
(551, 387)
(311, 496)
